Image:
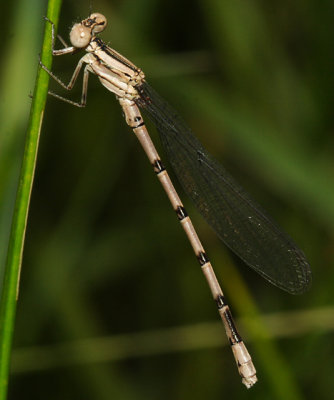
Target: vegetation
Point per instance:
(112, 303)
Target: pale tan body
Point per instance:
(121, 77)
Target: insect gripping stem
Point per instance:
(238, 220)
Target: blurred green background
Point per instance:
(112, 301)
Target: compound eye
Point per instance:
(80, 36)
(100, 22)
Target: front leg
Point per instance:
(59, 52)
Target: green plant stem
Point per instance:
(10, 288)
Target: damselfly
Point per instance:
(236, 218)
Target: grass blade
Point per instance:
(19, 221)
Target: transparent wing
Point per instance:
(236, 218)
